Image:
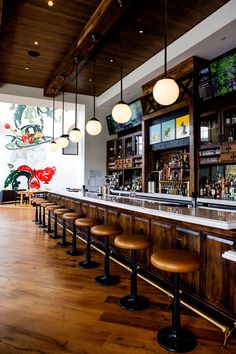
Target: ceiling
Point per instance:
(64, 31)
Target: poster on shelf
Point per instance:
(168, 130)
(182, 126)
(155, 134)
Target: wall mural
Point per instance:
(28, 126)
(33, 176)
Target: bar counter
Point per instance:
(208, 231)
(222, 219)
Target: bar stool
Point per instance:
(71, 217)
(43, 211)
(133, 242)
(88, 223)
(39, 204)
(34, 203)
(50, 208)
(175, 338)
(106, 231)
(58, 212)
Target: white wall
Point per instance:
(72, 171)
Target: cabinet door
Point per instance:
(142, 226)
(162, 236)
(189, 240)
(220, 285)
(138, 144)
(128, 146)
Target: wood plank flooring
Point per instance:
(48, 305)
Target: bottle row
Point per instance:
(218, 189)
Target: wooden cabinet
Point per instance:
(189, 240)
(124, 158)
(220, 274)
(228, 152)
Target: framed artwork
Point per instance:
(155, 134)
(168, 130)
(182, 126)
(71, 149)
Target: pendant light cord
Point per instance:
(76, 89)
(63, 102)
(165, 38)
(53, 113)
(94, 83)
(121, 53)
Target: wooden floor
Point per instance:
(48, 305)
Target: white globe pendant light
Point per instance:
(166, 90)
(75, 134)
(53, 145)
(121, 112)
(93, 126)
(62, 141)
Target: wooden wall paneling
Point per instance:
(92, 211)
(219, 275)
(163, 238)
(189, 240)
(101, 214)
(84, 208)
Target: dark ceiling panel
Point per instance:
(57, 29)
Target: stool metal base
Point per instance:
(74, 252)
(64, 243)
(55, 237)
(88, 264)
(106, 281)
(180, 341)
(133, 303)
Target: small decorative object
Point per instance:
(182, 127)
(168, 130)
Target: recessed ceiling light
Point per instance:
(140, 31)
(26, 68)
(33, 53)
(36, 43)
(90, 80)
(111, 60)
(50, 3)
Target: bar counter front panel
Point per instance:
(209, 232)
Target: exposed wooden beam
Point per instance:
(1, 3)
(100, 23)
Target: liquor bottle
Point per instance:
(201, 191)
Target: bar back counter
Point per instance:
(210, 232)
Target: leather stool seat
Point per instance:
(70, 217)
(106, 231)
(175, 338)
(133, 242)
(52, 207)
(88, 223)
(175, 260)
(60, 211)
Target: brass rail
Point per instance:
(225, 329)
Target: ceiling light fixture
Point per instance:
(36, 43)
(50, 3)
(62, 141)
(75, 134)
(93, 126)
(53, 144)
(121, 112)
(166, 90)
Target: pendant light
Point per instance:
(63, 141)
(121, 112)
(94, 126)
(75, 134)
(166, 90)
(53, 144)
